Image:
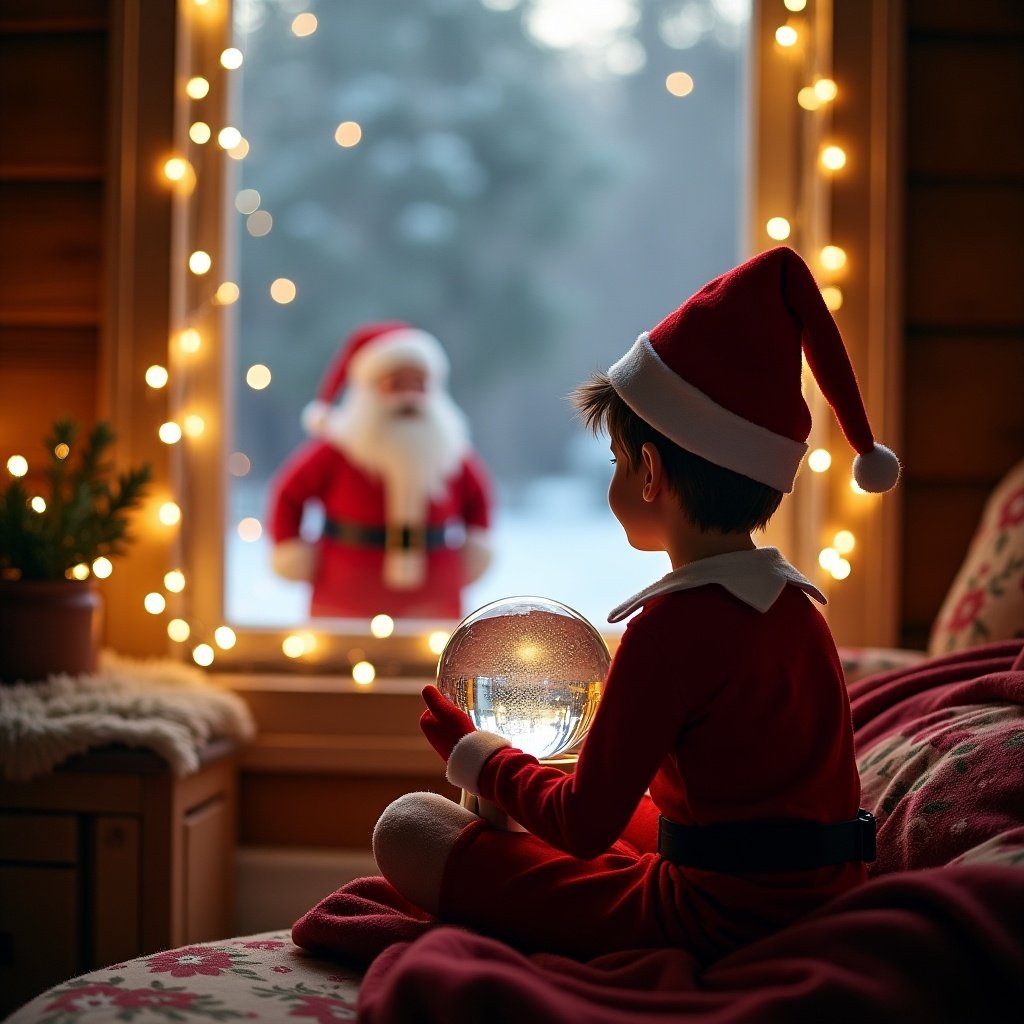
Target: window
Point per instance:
(534, 182)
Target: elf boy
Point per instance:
(716, 796)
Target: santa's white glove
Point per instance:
(294, 560)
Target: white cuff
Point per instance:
(469, 756)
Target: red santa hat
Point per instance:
(721, 375)
(369, 351)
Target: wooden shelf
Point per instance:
(33, 174)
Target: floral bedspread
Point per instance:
(258, 977)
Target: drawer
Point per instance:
(39, 838)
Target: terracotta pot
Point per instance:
(48, 626)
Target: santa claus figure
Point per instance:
(406, 502)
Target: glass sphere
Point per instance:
(528, 668)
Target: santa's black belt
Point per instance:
(392, 538)
(737, 847)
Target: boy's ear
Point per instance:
(653, 470)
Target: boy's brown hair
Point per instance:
(712, 497)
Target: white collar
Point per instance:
(756, 577)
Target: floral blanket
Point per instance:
(259, 977)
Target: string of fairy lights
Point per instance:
(179, 170)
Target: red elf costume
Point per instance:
(716, 796)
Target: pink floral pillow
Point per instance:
(986, 600)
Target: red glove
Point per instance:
(443, 723)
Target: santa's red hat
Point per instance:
(721, 375)
(369, 351)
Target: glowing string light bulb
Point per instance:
(202, 655)
(363, 673)
(819, 460)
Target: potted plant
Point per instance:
(50, 606)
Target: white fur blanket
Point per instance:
(162, 705)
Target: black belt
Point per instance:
(737, 847)
(391, 538)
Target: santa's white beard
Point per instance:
(415, 453)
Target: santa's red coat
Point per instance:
(348, 581)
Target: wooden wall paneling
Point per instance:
(978, 16)
(53, 13)
(977, 130)
(54, 122)
(965, 406)
(51, 235)
(964, 256)
(208, 832)
(45, 373)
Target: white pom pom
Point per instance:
(876, 470)
(314, 416)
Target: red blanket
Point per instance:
(940, 944)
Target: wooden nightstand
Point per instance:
(110, 857)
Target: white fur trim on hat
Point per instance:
(314, 417)
(876, 470)
(686, 415)
(406, 346)
(469, 756)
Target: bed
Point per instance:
(936, 934)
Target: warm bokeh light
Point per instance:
(179, 630)
(786, 35)
(170, 432)
(856, 487)
(304, 24)
(227, 293)
(348, 134)
(231, 58)
(844, 542)
(175, 169)
(247, 201)
(196, 88)
(200, 262)
(808, 98)
(840, 569)
(174, 581)
(169, 513)
(250, 529)
(437, 640)
(38, 504)
(679, 83)
(833, 158)
(827, 557)
(62, 451)
(282, 290)
(199, 132)
(778, 228)
(363, 673)
(833, 257)
(826, 90)
(382, 626)
(78, 572)
(202, 655)
(102, 567)
(240, 150)
(229, 137)
(833, 297)
(239, 464)
(154, 602)
(190, 341)
(224, 637)
(292, 646)
(157, 376)
(17, 465)
(257, 376)
(194, 425)
(819, 460)
(795, 5)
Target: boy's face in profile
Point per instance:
(626, 500)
